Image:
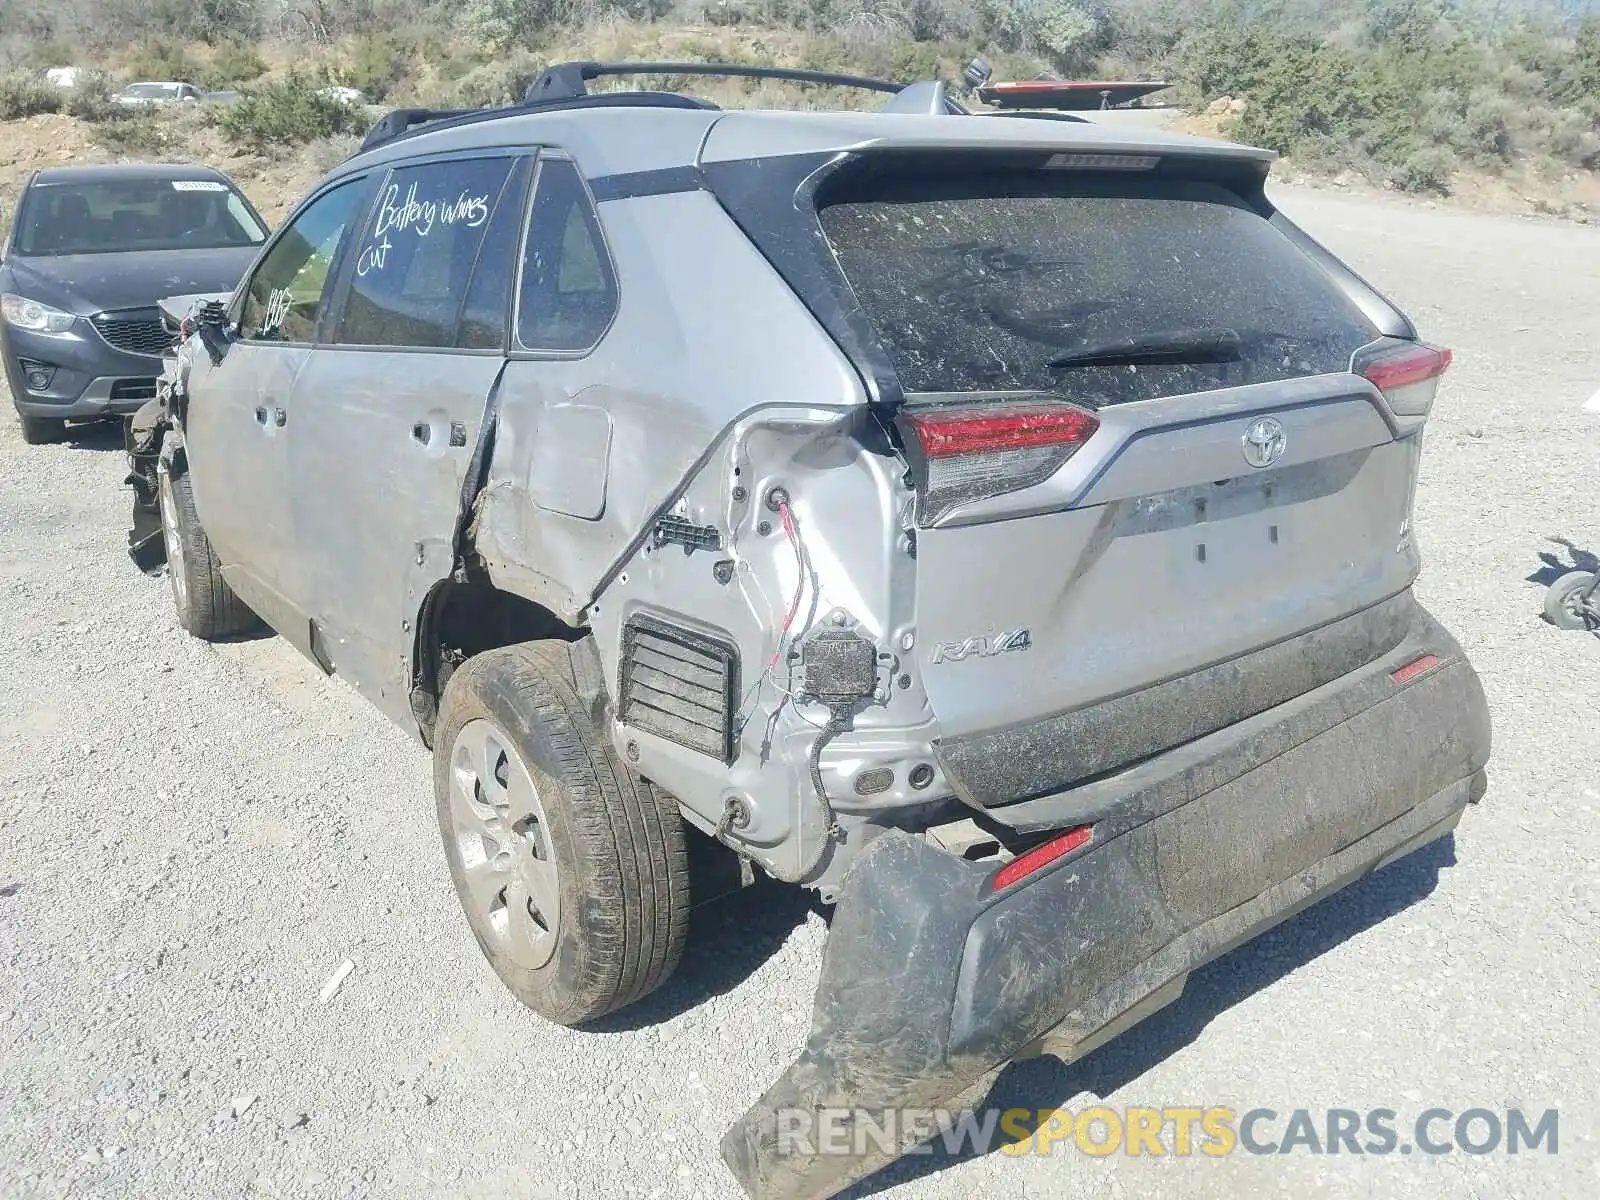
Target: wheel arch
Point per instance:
(462, 616)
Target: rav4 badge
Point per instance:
(987, 646)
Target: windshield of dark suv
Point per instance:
(116, 216)
(1104, 288)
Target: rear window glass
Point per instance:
(1040, 284)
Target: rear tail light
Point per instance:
(959, 455)
(1407, 375)
(1040, 857)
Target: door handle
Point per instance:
(422, 434)
(261, 417)
(276, 416)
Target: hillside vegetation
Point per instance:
(1416, 95)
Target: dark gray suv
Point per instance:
(1000, 525)
(92, 250)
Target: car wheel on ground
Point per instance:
(206, 605)
(1564, 604)
(38, 431)
(572, 871)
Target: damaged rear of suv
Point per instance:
(1000, 526)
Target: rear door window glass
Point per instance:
(483, 314)
(285, 297)
(1037, 282)
(569, 290)
(418, 252)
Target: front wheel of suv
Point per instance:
(206, 605)
(572, 871)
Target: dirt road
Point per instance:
(192, 840)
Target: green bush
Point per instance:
(161, 60)
(374, 65)
(286, 114)
(1412, 105)
(234, 65)
(501, 82)
(25, 95)
(50, 52)
(140, 135)
(91, 100)
(1578, 79)
(1428, 169)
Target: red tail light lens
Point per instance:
(966, 454)
(1408, 376)
(1417, 666)
(1040, 857)
(982, 431)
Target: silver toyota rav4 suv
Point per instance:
(1000, 525)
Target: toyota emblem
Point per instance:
(1264, 442)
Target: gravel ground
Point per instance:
(194, 839)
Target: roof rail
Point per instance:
(569, 80)
(565, 85)
(400, 121)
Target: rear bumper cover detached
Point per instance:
(931, 981)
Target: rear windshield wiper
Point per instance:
(1174, 346)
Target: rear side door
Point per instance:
(389, 405)
(237, 426)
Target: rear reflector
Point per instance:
(964, 454)
(1040, 857)
(1408, 376)
(1418, 666)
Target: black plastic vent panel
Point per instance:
(680, 684)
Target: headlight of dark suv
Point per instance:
(22, 313)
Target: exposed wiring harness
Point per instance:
(839, 717)
(803, 572)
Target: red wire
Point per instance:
(793, 532)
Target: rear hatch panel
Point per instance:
(1235, 487)
(1152, 576)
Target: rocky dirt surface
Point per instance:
(194, 839)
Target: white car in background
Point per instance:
(142, 95)
(344, 95)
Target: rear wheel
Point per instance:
(1565, 605)
(206, 605)
(571, 870)
(37, 431)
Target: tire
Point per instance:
(1563, 602)
(40, 431)
(206, 605)
(561, 824)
